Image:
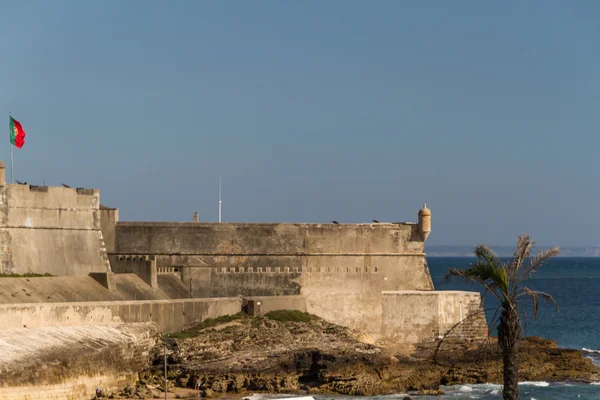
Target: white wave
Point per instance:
(590, 350)
(277, 397)
(254, 397)
(465, 388)
(540, 383)
(492, 386)
(595, 383)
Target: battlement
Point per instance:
(142, 266)
(51, 197)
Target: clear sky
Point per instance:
(314, 111)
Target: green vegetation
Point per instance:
(290, 316)
(279, 315)
(207, 323)
(27, 275)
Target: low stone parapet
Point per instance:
(169, 315)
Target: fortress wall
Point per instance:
(410, 316)
(169, 315)
(52, 230)
(354, 298)
(341, 269)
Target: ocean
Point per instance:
(575, 285)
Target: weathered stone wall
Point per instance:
(71, 362)
(340, 268)
(52, 230)
(410, 316)
(169, 315)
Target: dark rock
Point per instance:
(263, 355)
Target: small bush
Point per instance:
(27, 275)
(289, 316)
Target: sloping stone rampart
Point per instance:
(57, 363)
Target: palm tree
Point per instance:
(504, 280)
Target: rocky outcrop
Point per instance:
(267, 355)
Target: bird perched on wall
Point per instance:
(375, 221)
(65, 185)
(334, 222)
(21, 183)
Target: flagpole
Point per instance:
(219, 199)
(11, 151)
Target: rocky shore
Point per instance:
(290, 352)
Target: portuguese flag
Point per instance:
(17, 134)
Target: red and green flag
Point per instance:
(17, 134)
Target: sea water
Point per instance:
(575, 285)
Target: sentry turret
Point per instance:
(424, 222)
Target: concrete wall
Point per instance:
(410, 316)
(52, 230)
(169, 315)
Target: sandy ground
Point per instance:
(184, 393)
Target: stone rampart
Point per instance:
(52, 230)
(264, 239)
(340, 268)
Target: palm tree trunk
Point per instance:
(509, 334)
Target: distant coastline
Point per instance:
(507, 251)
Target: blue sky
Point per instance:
(316, 110)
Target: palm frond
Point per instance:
(533, 294)
(538, 261)
(523, 250)
(477, 273)
(521, 240)
(483, 252)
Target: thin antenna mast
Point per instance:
(220, 202)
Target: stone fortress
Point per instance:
(110, 277)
